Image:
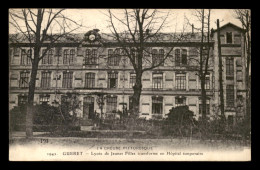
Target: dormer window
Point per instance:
(229, 37)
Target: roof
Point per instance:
(109, 38)
(229, 25)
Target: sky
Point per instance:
(96, 19)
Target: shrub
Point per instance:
(180, 121)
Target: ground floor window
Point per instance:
(44, 99)
(180, 101)
(207, 107)
(230, 96)
(111, 104)
(157, 105)
(22, 100)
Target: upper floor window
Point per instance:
(90, 80)
(113, 57)
(91, 56)
(157, 80)
(229, 37)
(134, 56)
(24, 79)
(180, 81)
(229, 68)
(67, 79)
(177, 57)
(68, 57)
(26, 57)
(112, 80)
(132, 79)
(47, 59)
(46, 80)
(207, 82)
(157, 58)
(184, 56)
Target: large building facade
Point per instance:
(91, 69)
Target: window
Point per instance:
(157, 105)
(207, 107)
(230, 96)
(91, 56)
(46, 80)
(155, 56)
(72, 55)
(180, 57)
(180, 101)
(207, 82)
(68, 57)
(130, 102)
(112, 80)
(161, 56)
(113, 57)
(58, 54)
(229, 37)
(184, 56)
(157, 80)
(111, 104)
(47, 59)
(230, 68)
(90, 80)
(24, 79)
(25, 57)
(67, 79)
(180, 81)
(44, 99)
(134, 55)
(132, 79)
(177, 57)
(22, 100)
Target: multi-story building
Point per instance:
(91, 69)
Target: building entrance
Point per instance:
(88, 107)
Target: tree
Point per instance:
(136, 31)
(204, 53)
(37, 28)
(244, 16)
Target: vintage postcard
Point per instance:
(129, 84)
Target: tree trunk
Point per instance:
(137, 93)
(203, 98)
(29, 115)
(220, 75)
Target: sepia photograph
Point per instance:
(134, 84)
